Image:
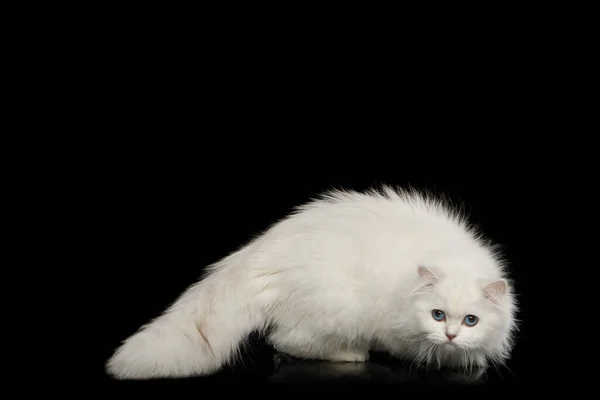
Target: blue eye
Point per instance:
(471, 320)
(438, 315)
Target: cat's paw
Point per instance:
(348, 356)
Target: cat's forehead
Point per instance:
(458, 296)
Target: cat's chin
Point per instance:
(450, 347)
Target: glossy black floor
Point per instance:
(260, 364)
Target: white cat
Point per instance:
(393, 270)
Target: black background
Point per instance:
(203, 144)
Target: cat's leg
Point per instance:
(397, 348)
(353, 355)
(311, 346)
(342, 355)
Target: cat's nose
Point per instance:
(450, 337)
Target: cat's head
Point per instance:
(464, 315)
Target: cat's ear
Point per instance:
(427, 274)
(495, 290)
(428, 277)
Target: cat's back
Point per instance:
(349, 229)
(388, 212)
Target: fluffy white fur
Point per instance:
(341, 275)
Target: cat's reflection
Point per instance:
(289, 369)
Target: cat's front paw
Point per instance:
(348, 356)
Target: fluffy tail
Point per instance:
(200, 333)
